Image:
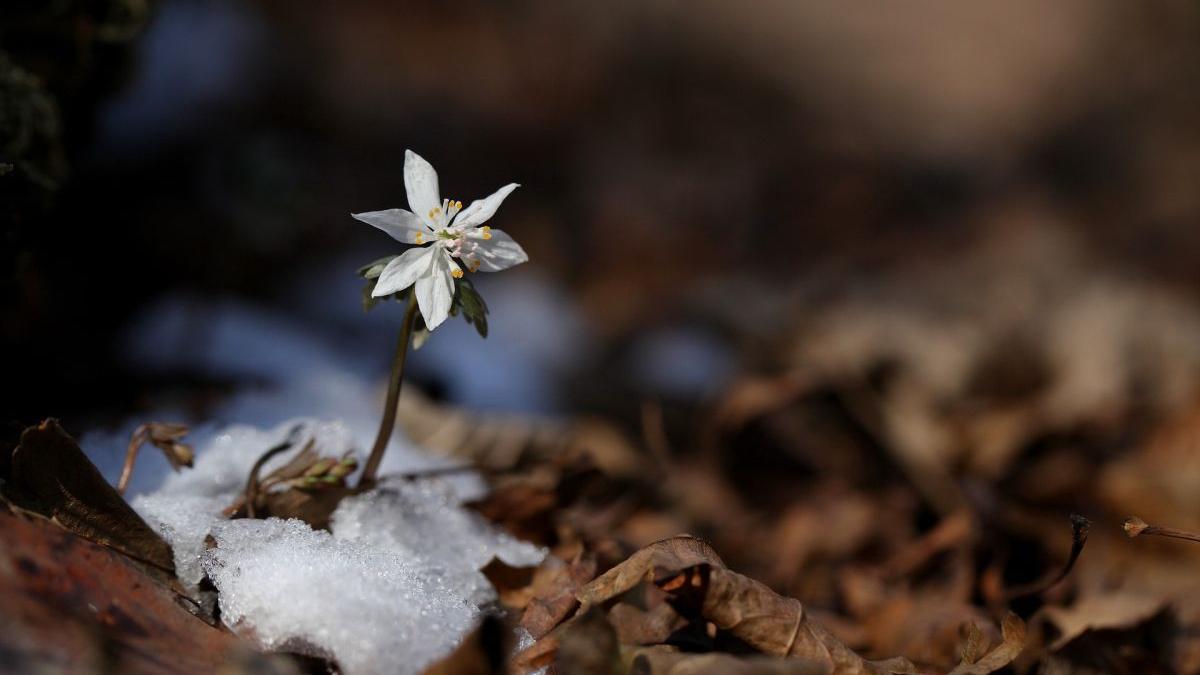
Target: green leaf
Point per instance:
(372, 270)
(368, 300)
(474, 309)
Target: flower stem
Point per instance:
(388, 423)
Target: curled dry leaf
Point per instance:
(697, 584)
(165, 436)
(669, 555)
(1013, 630)
(555, 585)
(587, 645)
(52, 476)
(635, 626)
(771, 623)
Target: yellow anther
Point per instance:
(474, 266)
(456, 273)
(433, 213)
(487, 232)
(458, 205)
(420, 238)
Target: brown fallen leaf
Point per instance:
(555, 585)
(70, 605)
(635, 626)
(52, 476)
(1115, 610)
(697, 583)
(661, 660)
(671, 555)
(588, 646)
(767, 621)
(483, 652)
(1013, 630)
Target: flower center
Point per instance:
(441, 216)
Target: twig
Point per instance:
(1135, 527)
(1079, 534)
(135, 444)
(437, 471)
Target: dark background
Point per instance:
(699, 179)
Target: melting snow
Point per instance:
(393, 586)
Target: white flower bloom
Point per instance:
(451, 231)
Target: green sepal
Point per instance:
(372, 270)
(474, 309)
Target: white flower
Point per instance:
(452, 232)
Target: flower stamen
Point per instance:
(486, 232)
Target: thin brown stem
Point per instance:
(252, 485)
(388, 423)
(1135, 526)
(135, 444)
(1079, 534)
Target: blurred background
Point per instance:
(949, 246)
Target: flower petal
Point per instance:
(498, 252)
(400, 225)
(401, 272)
(435, 290)
(481, 210)
(421, 183)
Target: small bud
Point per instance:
(1134, 526)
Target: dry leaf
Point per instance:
(1013, 630)
(667, 661)
(52, 476)
(671, 555)
(73, 606)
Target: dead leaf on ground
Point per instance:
(671, 555)
(482, 652)
(1013, 630)
(662, 660)
(71, 605)
(555, 586)
(1115, 610)
(52, 476)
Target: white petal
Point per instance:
(435, 290)
(421, 182)
(401, 272)
(400, 225)
(481, 210)
(499, 252)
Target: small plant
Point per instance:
(447, 241)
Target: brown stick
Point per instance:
(388, 423)
(1079, 534)
(1135, 526)
(135, 444)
